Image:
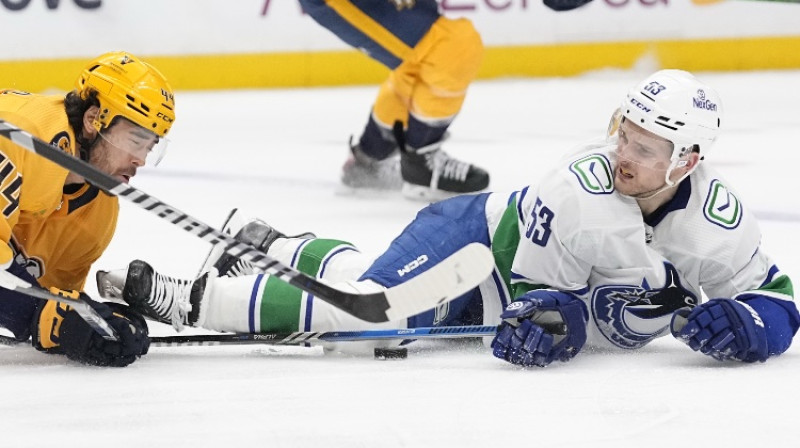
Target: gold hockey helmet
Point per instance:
(131, 88)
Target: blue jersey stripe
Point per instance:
(522, 194)
(310, 297)
(770, 275)
(252, 308)
(498, 284)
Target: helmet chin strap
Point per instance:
(678, 163)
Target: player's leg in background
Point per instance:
(387, 33)
(433, 83)
(444, 62)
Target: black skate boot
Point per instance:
(164, 299)
(257, 233)
(431, 174)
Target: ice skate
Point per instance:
(254, 232)
(431, 174)
(165, 299)
(361, 171)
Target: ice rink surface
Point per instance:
(277, 154)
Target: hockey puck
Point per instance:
(391, 353)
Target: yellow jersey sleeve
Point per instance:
(30, 185)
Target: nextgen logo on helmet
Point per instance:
(641, 106)
(701, 102)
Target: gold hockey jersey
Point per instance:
(60, 231)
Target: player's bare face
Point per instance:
(642, 159)
(122, 149)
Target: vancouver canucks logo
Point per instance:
(722, 207)
(632, 316)
(594, 174)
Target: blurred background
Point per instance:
(221, 44)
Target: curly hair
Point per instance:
(76, 107)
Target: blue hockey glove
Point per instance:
(542, 326)
(723, 329)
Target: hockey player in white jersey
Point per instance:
(615, 246)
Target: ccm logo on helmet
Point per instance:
(164, 117)
(701, 102)
(641, 106)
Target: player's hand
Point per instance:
(82, 343)
(540, 327)
(723, 329)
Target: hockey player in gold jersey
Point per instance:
(54, 225)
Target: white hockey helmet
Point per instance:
(675, 105)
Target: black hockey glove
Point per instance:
(81, 343)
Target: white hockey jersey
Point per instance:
(577, 234)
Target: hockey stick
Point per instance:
(302, 337)
(82, 308)
(441, 283)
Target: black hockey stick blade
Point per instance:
(377, 307)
